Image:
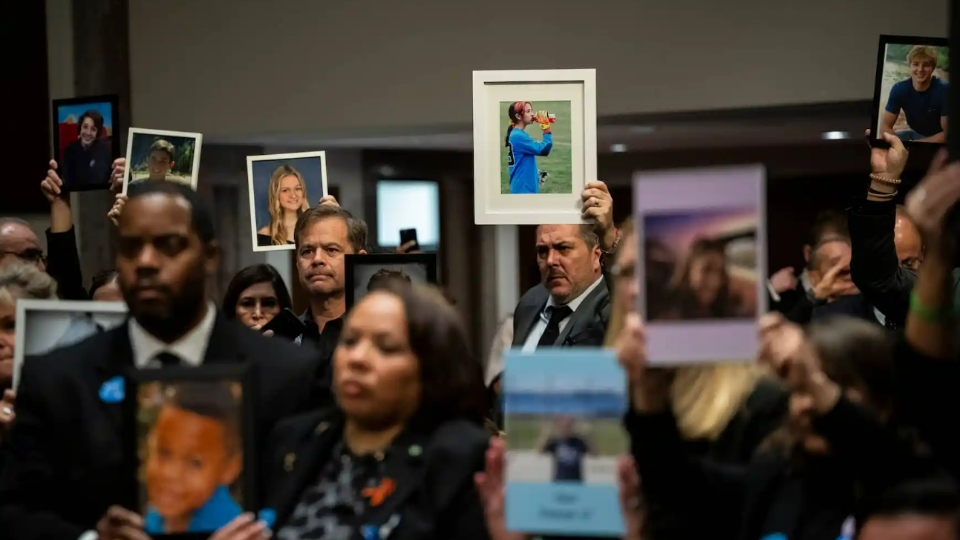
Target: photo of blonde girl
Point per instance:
(281, 190)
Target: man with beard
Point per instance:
(65, 475)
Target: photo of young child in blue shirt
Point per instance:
(193, 456)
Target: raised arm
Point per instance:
(64, 262)
(874, 266)
(676, 482)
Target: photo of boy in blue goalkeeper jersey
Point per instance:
(529, 165)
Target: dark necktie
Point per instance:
(552, 332)
(167, 359)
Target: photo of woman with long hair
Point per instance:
(286, 200)
(281, 188)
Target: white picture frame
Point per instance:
(114, 313)
(134, 133)
(252, 190)
(490, 89)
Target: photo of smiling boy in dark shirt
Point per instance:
(193, 457)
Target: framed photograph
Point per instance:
(534, 145)
(189, 433)
(702, 262)
(563, 409)
(46, 325)
(365, 272)
(911, 90)
(281, 187)
(162, 155)
(86, 141)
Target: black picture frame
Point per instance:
(69, 183)
(138, 381)
(885, 40)
(353, 262)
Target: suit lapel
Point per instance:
(223, 346)
(582, 317)
(527, 322)
(302, 465)
(110, 366)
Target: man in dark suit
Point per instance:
(571, 305)
(64, 474)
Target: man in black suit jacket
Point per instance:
(64, 467)
(571, 305)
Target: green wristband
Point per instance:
(941, 314)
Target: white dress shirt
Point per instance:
(538, 329)
(190, 348)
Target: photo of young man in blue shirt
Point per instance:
(922, 98)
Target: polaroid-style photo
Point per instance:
(47, 325)
(191, 432)
(162, 155)
(535, 145)
(281, 188)
(563, 410)
(86, 141)
(702, 262)
(911, 90)
(364, 273)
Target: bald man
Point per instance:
(19, 243)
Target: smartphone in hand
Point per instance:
(286, 324)
(407, 235)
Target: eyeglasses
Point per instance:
(30, 255)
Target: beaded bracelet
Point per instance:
(884, 179)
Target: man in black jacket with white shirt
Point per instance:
(63, 476)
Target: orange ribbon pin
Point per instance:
(377, 494)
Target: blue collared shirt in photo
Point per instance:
(219, 510)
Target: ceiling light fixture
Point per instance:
(618, 148)
(835, 135)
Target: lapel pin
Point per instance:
(112, 391)
(415, 450)
(321, 427)
(288, 461)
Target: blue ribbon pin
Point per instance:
(112, 391)
(268, 516)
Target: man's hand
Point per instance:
(328, 199)
(121, 524)
(52, 185)
(242, 527)
(491, 487)
(888, 162)
(784, 280)
(930, 201)
(116, 177)
(408, 247)
(598, 209)
(114, 213)
(830, 287)
(7, 413)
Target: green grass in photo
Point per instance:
(559, 164)
(606, 435)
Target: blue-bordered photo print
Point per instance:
(563, 417)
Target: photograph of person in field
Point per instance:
(529, 165)
(914, 93)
